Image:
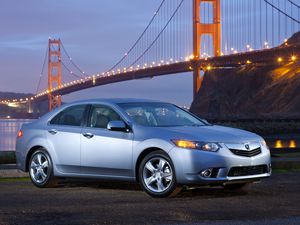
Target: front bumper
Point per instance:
(189, 165)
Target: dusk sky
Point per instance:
(95, 33)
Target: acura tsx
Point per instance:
(157, 144)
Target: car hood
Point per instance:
(211, 133)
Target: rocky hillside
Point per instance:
(252, 92)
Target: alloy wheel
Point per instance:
(157, 174)
(39, 168)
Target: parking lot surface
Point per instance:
(273, 201)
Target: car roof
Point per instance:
(114, 100)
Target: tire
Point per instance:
(234, 187)
(157, 175)
(41, 169)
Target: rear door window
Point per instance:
(71, 116)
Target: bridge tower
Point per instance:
(199, 29)
(54, 72)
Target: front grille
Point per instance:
(247, 170)
(247, 153)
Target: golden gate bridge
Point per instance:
(183, 36)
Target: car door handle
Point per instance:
(52, 131)
(88, 135)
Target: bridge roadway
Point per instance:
(265, 56)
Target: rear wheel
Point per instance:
(41, 169)
(157, 175)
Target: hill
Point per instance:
(251, 92)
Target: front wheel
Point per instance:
(41, 170)
(157, 175)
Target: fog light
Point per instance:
(206, 173)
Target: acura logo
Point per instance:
(247, 146)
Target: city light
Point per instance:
(279, 59)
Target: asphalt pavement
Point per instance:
(274, 201)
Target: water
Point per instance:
(8, 132)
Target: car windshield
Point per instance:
(160, 115)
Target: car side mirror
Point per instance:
(117, 125)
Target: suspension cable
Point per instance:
(160, 33)
(293, 3)
(74, 64)
(140, 37)
(70, 71)
(42, 72)
(282, 12)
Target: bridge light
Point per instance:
(279, 59)
(292, 144)
(278, 144)
(248, 62)
(293, 58)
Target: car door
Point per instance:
(63, 134)
(105, 152)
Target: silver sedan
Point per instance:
(157, 144)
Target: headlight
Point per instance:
(204, 146)
(264, 143)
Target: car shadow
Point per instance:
(209, 192)
(186, 192)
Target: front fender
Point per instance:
(156, 143)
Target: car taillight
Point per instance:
(20, 133)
